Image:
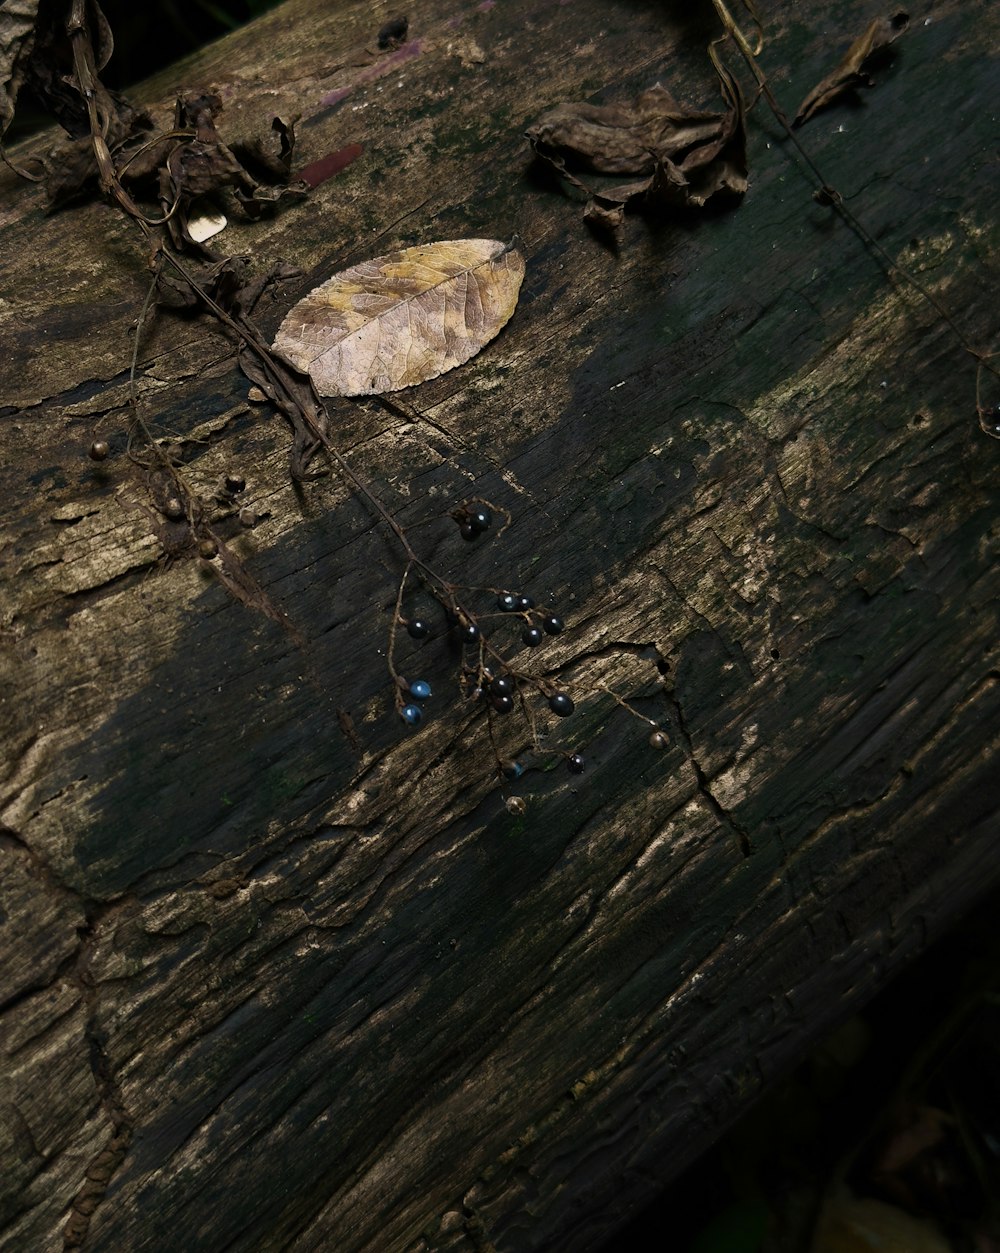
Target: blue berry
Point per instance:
(532, 636)
(507, 602)
(552, 624)
(420, 690)
(575, 764)
(524, 602)
(480, 520)
(412, 714)
(502, 704)
(511, 769)
(418, 629)
(561, 705)
(468, 633)
(502, 685)
(468, 531)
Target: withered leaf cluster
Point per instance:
(190, 161)
(257, 169)
(185, 164)
(35, 52)
(677, 157)
(855, 69)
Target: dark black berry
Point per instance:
(552, 624)
(523, 603)
(468, 531)
(235, 482)
(561, 704)
(174, 509)
(532, 636)
(507, 602)
(511, 769)
(99, 450)
(502, 704)
(480, 519)
(418, 629)
(502, 685)
(575, 764)
(208, 548)
(468, 633)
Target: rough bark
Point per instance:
(273, 982)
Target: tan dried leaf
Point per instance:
(404, 318)
(853, 70)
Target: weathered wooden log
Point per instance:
(279, 974)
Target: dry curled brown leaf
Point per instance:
(683, 156)
(853, 70)
(404, 318)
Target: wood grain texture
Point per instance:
(267, 985)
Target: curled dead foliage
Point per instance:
(680, 157)
(855, 68)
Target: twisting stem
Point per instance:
(834, 197)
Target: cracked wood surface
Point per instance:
(277, 975)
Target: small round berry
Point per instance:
(420, 690)
(208, 548)
(511, 769)
(248, 518)
(418, 629)
(468, 531)
(502, 704)
(468, 633)
(532, 636)
(561, 705)
(575, 764)
(480, 519)
(552, 624)
(524, 603)
(516, 805)
(502, 685)
(412, 715)
(658, 740)
(173, 509)
(507, 602)
(235, 482)
(98, 450)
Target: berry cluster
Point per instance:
(411, 713)
(473, 520)
(486, 672)
(537, 625)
